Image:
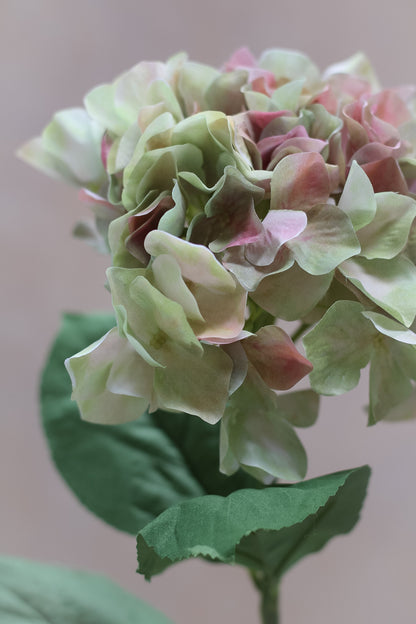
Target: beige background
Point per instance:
(52, 52)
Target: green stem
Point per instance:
(300, 330)
(269, 589)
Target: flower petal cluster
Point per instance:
(230, 201)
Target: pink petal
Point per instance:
(275, 357)
(300, 181)
(389, 106)
(279, 226)
(143, 223)
(386, 175)
(106, 144)
(240, 58)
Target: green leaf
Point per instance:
(126, 474)
(42, 594)
(339, 346)
(267, 530)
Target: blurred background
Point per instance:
(51, 53)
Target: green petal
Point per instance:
(156, 171)
(387, 234)
(389, 384)
(69, 149)
(339, 346)
(389, 283)
(291, 65)
(197, 263)
(299, 408)
(153, 320)
(391, 328)
(111, 383)
(193, 82)
(358, 200)
(358, 65)
(287, 96)
(292, 282)
(255, 436)
(327, 240)
(194, 383)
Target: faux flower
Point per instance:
(230, 201)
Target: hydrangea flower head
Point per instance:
(231, 200)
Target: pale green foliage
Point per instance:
(36, 593)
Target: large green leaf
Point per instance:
(126, 474)
(266, 530)
(36, 593)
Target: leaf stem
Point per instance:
(269, 589)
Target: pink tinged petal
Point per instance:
(223, 314)
(248, 275)
(143, 223)
(386, 175)
(260, 119)
(240, 58)
(327, 99)
(346, 86)
(275, 357)
(390, 107)
(377, 151)
(262, 81)
(379, 130)
(297, 139)
(272, 141)
(232, 219)
(236, 225)
(279, 226)
(106, 144)
(299, 182)
(293, 146)
(354, 135)
(100, 206)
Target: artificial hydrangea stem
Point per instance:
(300, 331)
(269, 589)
